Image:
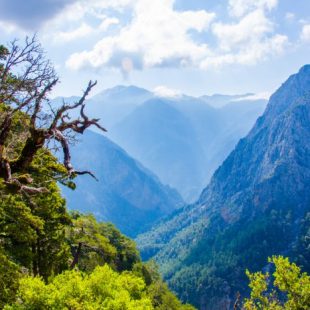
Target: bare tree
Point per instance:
(26, 80)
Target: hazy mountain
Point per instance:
(113, 104)
(165, 141)
(183, 140)
(256, 205)
(126, 194)
(219, 130)
(219, 100)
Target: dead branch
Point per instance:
(34, 78)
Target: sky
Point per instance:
(194, 47)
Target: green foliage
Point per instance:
(203, 272)
(18, 134)
(100, 243)
(3, 53)
(162, 298)
(33, 228)
(290, 288)
(9, 277)
(301, 249)
(101, 289)
(50, 259)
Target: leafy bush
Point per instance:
(288, 288)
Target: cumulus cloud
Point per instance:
(7, 27)
(31, 14)
(239, 8)
(67, 36)
(107, 22)
(289, 16)
(250, 54)
(159, 36)
(156, 36)
(252, 27)
(305, 33)
(246, 41)
(61, 37)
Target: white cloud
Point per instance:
(107, 22)
(251, 28)
(305, 33)
(247, 41)
(250, 54)
(82, 31)
(239, 8)
(67, 36)
(258, 96)
(166, 92)
(8, 27)
(157, 35)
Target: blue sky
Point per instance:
(194, 47)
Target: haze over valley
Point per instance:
(155, 155)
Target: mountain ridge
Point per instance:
(126, 194)
(259, 195)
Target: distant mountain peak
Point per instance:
(220, 100)
(255, 206)
(121, 90)
(127, 194)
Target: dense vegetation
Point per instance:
(214, 266)
(287, 288)
(50, 259)
(53, 259)
(256, 205)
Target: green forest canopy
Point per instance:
(50, 258)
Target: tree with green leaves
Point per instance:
(93, 243)
(159, 293)
(101, 289)
(33, 216)
(50, 259)
(288, 288)
(26, 80)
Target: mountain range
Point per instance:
(181, 139)
(163, 145)
(257, 204)
(126, 193)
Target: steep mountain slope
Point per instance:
(193, 133)
(126, 194)
(257, 204)
(175, 138)
(219, 130)
(164, 140)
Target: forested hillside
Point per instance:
(49, 258)
(256, 205)
(125, 193)
(154, 155)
